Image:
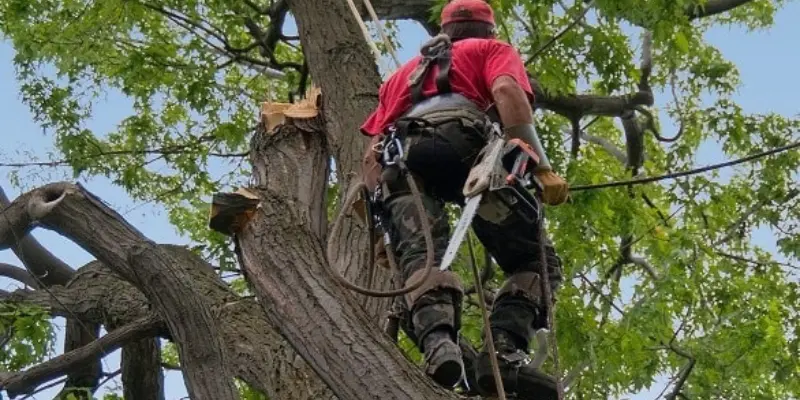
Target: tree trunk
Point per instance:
(86, 376)
(344, 68)
(142, 377)
(284, 259)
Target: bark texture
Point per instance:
(142, 377)
(86, 375)
(121, 288)
(343, 66)
(16, 384)
(284, 260)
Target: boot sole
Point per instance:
(448, 374)
(530, 385)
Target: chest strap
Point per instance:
(437, 49)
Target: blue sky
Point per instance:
(766, 60)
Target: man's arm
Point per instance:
(511, 101)
(505, 74)
(517, 116)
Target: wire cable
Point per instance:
(695, 171)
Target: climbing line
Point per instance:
(685, 173)
(425, 227)
(365, 31)
(487, 326)
(385, 38)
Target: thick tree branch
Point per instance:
(49, 269)
(96, 296)
(24, 382)
(18, 274)
(683, 375)
(253, 350)
(283, 256)
(609, 147)
(76, 213)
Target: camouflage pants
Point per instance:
(440, 170)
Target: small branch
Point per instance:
(652, 205)
(606, 145)
(645, 265)
(258, 9)
(713, 7)
(684, 374)
(754, 262)
(45, 387)
(600, 293)
(573, 374)
(25, 381)
(142, 377)
(85, 375)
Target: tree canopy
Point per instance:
(663, 278)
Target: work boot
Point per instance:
(435, 320)
(518, 378)
(443, 359)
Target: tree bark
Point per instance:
(251, 349)
(142, 377)
(284, 260)
(343, 67)
(49, 269)
(84, 377)
(20, 383)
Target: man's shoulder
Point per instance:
(404, 70)
(480, 44)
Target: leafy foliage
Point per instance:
(192, 72)
(27, 336)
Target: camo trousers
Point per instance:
(440, 170)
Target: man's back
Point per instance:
(475, 64)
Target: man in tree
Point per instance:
(443, 119)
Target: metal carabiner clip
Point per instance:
(392, 149)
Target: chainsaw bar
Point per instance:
(469, 211)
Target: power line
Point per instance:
(685, 173)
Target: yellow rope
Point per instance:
(364, 30)
(385, 38)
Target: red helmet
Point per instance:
(467, 10)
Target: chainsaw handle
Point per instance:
(520, 160)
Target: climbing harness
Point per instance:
(395, 159)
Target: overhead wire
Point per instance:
(694, 171)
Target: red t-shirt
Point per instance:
(475, 64)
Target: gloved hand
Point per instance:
(556, 189)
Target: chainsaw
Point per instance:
(501, 183)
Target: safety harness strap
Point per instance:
(438, 50)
